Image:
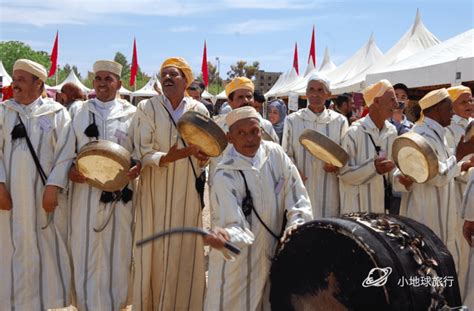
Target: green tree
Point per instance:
(242, 69)
(122, 60)
(11, 51)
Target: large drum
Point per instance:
(323, 148)
(200, 130)
(363, 262)
(415, 157)
(105, 164)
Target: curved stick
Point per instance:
(107, 219)
(234, 249)
(48, 221)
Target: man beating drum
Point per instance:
(101, 222)
(256, 187)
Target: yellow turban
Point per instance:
(456, 91)
(433, 97)
(240, 114)
(31, 67)
(182, 65)
(375, 90)
(237, 84)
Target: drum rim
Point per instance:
(198, 120)
(310, 134)
(122, 178)
(416, 141)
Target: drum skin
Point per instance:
(428, 164)
(323, 264)
(105, 165)
(202, 131)
(323, 148)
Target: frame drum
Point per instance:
(200, 130)
(363, 262)
(323, 148)
(415, 157)
(469, 132)
(105, 165)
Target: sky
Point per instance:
(250, 30)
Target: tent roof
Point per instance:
(284, 79)
(206, 95)
(124, 91)
(221, 95)
(327, 65)
(417, 38)
(435, 65)
(7, 80)
(71, 78)
(148, 89)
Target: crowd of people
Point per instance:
(61, 251)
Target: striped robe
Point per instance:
(276, 187)
(35, 272)
(323, 187)
(169, 272)
(432, 203)
(362, 188)
(467, 280)
(454, 131)
(101, 260)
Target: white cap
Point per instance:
(240, 114)
(107, 65)
(32, 67)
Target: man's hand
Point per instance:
(383, 166)
(329, 168)
(468, 231)
(407, 181)
(134, 172)
(216, 238)
(5, 198)
(76, 176)
(467, 165)
(175, 154)
(464, 148)
(50, 198)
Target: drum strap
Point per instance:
(200, 182)
(386, 185)
(92, 130)
(248, 207)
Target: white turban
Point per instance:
(32, 67)
(240, 114)
(320, 78)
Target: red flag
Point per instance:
(312, 51)
(205, 73)
(54, 57)
(134, 69)
(295, 59)
(7, 92)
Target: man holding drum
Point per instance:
(432, 203)
(368, 142)
(256, 187)
(36, 151)
(169, 272)
(320, 177)
(101, 222)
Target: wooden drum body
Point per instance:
(363, 262)
(415, 157)
(200, 130)
(105, 165)
(323, 148)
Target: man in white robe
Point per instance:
(364, 176)
(242, 283)
(463, 107)
(239, 93)
(101, 248)
(169, 273)
(35, 269)
(432, 203)
(319, 177)
(467, 209)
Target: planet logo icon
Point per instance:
(377, 277)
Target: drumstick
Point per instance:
(234, 249)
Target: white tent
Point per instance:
(124, 91)
(71, 78)
(148, 90)
(327, 65)
(285, 79)
(450, 62)
(206, 95)
(7, 80)
(221, 95)
(416, 39)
